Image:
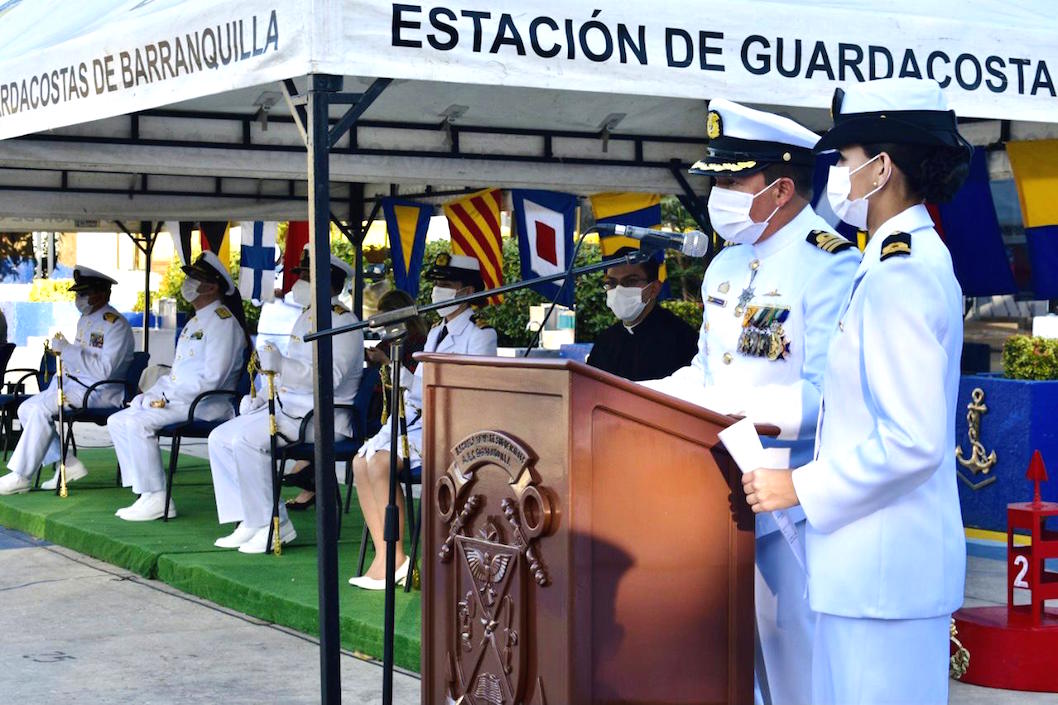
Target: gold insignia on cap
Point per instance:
(725, 166)
(786, 156)
(713, 125)
(443, 260)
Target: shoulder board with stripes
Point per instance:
(223, 312)
(896, 245)
(828, 242)
(111, 317)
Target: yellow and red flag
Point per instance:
(474, 222)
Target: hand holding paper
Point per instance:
(744, 446)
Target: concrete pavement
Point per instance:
(76, 630)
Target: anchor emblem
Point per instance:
(979, 462)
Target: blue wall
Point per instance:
(1021, 418)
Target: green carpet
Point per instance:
(278, 589)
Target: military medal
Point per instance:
(747, 294)
(763, 334)
(723, 288)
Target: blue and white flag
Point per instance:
(544, 221)
(257, 261)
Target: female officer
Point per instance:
(885, 544)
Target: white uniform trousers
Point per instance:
(39, 442)
(859, 661)
(785, 621)
(134, 434)
(240, 460)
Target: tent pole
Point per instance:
(317, 143)
(356, 218)
(149, 235)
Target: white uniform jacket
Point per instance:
(209, 355)
(296, 374)
(102, 349)
(885, 536)
(463, 338)
(764, 357)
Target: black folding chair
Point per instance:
(198, 428)
(15, 393)
(344, 449)
(98, 415)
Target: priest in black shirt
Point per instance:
(648, 341)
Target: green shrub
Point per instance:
(1026, 357)
(690, 311)
(51, 290)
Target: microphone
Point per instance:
(692, 244)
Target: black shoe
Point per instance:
(295, 506)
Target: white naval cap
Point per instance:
(85, 278)
(744, 140)
(208, 267)
(461, 268)
(899, 110)
(336, 263)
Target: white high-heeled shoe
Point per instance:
(400, 576)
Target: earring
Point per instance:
(875, 183)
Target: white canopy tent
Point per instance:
(169, 109)
(148, 110)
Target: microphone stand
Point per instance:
(393, 322)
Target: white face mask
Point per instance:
(81, 302)
(443, 293)
(301, 293)
(729, 215)
(839, 186)
(189, 290)
(626, 302)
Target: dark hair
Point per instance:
(800, 174)
(337, 281)
(933, 174)
(650, 266)
(233, 302)
(397, 298)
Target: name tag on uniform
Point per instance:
(96, 340)
(763, 334)
(716, 300)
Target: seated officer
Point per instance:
(772, 299)
(209, 355)
(648, 341)
(239, 450)
(102, 349)
(457, 333)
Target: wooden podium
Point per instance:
(585, 541)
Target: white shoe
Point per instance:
(150, 506)
(400, 577)
(259, 542)
(134, 506)
(75, 470)
(241, 535)
(13, 483)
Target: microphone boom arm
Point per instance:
(404, 314)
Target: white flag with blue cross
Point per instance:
(257, 261)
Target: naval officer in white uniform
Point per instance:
(886, 550)
(240, 449)
(771, 302)
(209, 356)
(458, 334)
(102, 349)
